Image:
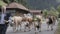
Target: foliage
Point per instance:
(45, 12)
(52, 12)
(2, 3)
(6, 1)
(58, 8)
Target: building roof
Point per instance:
(35, 11)
(16, 5)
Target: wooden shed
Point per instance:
(16, 7)
(36, 12)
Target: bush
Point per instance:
(52, 12)
(45, 12)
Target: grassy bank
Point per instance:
(58, 29)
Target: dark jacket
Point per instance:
(6, 18)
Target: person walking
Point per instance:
(2, 24)
(4, 21)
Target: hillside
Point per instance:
(42, 4)
(37, 4)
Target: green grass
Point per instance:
(58, 29)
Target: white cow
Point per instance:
(16, 22)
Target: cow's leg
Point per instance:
(20, 26)
(47, 27)
(54, 22)
(39, 26)
(35, 28)
(14, 28)
(25, 29)
(29, 27)
(51, 27)
(17, 25)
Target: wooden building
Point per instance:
(16, 8)
(36, 12)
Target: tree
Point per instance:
(53, 12)
(45, 12)
(6, 1)
(58, 9)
